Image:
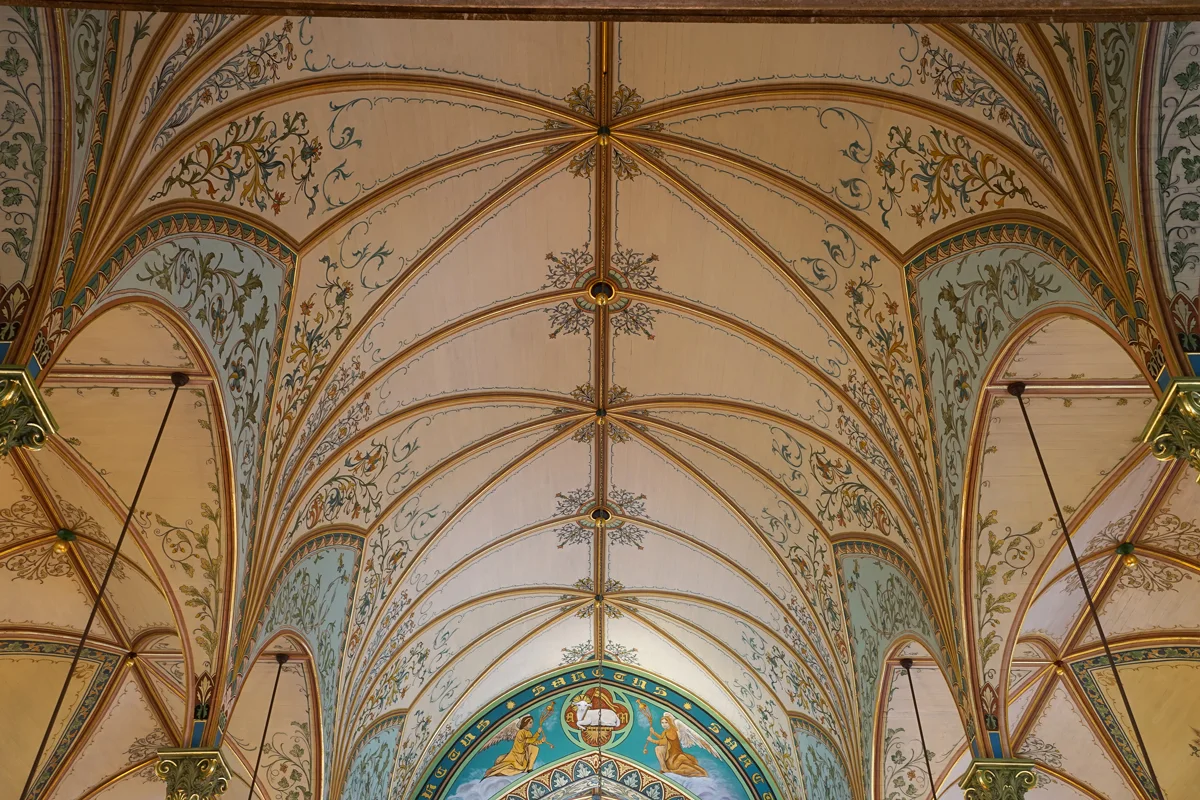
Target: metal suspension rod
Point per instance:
(281, 659)
(1017, 389)
(907, 663)
(178, 380)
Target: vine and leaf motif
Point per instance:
(38, 564)
(884, 333)
(585, 651)
(823, 775)
(841, 497)
(141, 30)
(1062, 41)
(947, 174)
(203, 29)
(216, 296)
(413, 669)
(22, 132)
(387, 552)
(783, 673)
(190, 549)
(1004, 43)
(575, 268)
(808, 556)
(1119, 41)
(307, 350)
(586, 585)
(307, 600)
(287, 762)
(956, 82)
(144, 748)
(1177, 167)
(1041, 751)
(249, 160)
(25, 520)
(1008, 554)
(371, 771)
(580, 502)
(86, 28)
(889, 608)
(1195, 743)
(254, 66)
(410, 750)
(844, 498)
(904, 773)
(983, 308)
(1166, 531)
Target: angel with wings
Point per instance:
(676, 737)
(524, 750)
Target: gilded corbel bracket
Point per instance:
(25, 421)
(998, 779)
(1174, 430)
(192, 774)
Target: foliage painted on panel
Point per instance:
(904, 773)
(1006, 554)
(22, 132)
(287, 763)
(202, 30)
(255, 65)
(188, 549)
(1039, 750)
(946, 174)
(957, 82)
(1004, 43)
(575, 269)
(249, 161)
(370, 772)
(86, 28)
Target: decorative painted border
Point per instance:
(106, 665)
(562, 779)
(440, 775)
(1084, 674)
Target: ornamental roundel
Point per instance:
(595, 716)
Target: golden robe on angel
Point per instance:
(523, 754)
(677, 736)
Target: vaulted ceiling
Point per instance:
(374, 245)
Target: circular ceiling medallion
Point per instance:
(602, 292)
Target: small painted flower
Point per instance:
(237, 376)
(189, 40)
(311, 151)
(962, 386)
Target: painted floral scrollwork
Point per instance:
(946, 173)
(248, 161)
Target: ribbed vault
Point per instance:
(521, 347)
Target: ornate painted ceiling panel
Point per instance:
(655, 372)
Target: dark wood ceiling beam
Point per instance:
(687, 10)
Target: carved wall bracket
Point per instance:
(1174, 430)
(25, 421)
(192, 774)
(998, 779)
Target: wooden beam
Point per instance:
(685, 10)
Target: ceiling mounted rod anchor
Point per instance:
(1017, 389)
(907, 664)
(178, 380)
